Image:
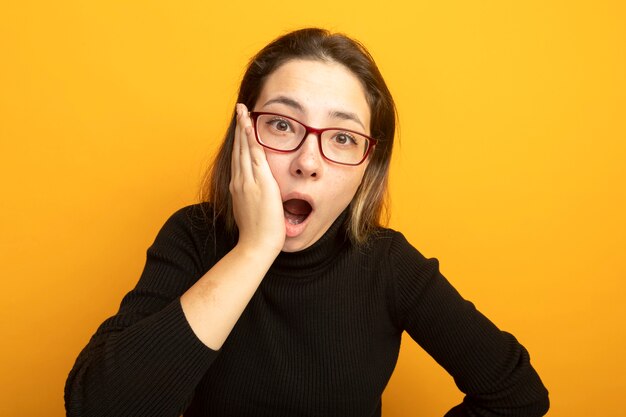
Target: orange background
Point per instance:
(510, 169)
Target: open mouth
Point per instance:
(296, 210)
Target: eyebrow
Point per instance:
(346, 116)
(289, 102)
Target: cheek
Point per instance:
(344, 187)
(279, 166)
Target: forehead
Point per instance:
(319, 87)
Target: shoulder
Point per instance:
(409, 267)
(186, 224)
(407, 272)
(192, 230)
(393, 244)
(391, 248)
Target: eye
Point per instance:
(280, 125)
(345, 138)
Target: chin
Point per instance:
(293, 246)
(298, 243)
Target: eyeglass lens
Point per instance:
(285, 134)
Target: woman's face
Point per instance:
(318, 94)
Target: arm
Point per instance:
(488, 365)
(146, 360)
(149, 357)
(221, 295)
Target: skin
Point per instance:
(320, 94)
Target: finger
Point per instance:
(235, 155)
(245, 126)
(257, 152)
(258, 159)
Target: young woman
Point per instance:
(281, 295)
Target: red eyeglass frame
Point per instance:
(254, 115)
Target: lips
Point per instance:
(296, 210)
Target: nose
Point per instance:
(307, 161)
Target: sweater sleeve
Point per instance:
(490, 366)
(146, 360)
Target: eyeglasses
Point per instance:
(284, 134)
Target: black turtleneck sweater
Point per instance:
(320, 337)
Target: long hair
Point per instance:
(368, 209)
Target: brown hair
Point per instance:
(369, 204)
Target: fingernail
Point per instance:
(238, 109)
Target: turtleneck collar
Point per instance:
(315, 257)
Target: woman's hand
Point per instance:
(215, 302)
(257, 204)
